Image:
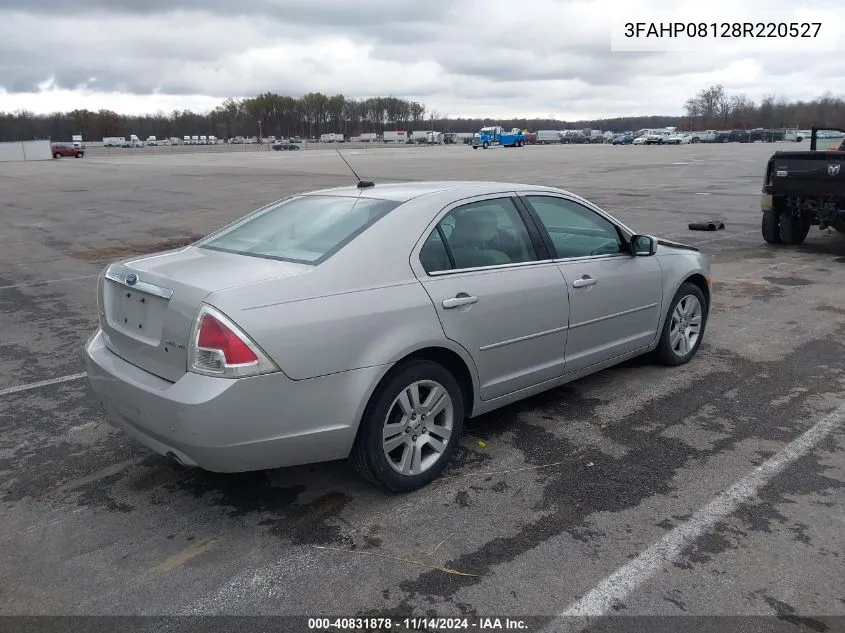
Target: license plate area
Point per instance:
(136, 314)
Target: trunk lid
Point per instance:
(147, 305)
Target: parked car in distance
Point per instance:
(623, 139)
(66, 149)
(733, 136)
(368, 322)
(681, 138)
(285, 144)
(657, 137)
(640, 140)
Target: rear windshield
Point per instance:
(307, 229)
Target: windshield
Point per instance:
(307, 229)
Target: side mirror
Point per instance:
(643, 245)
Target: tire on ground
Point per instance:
(367, 455)
(664, 353)
(792, 229)
(770, 226)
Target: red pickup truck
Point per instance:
(67, 149)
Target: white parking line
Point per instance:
(42, 383)
(618, 586)
(49, 281)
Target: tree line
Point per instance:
(715, 108)
(315, 113)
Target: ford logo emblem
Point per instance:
(131, 279)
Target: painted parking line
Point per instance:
(614, 589)
(41, 383)
(48, 281)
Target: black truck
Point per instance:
(804, 189)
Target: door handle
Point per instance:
(461, 300)
(586, 280)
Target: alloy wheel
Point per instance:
(685, 327)
(417, 427)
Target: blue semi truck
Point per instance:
(496, 135)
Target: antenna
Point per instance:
(362, 184)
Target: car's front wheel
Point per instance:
(411, 427)
(683, 329)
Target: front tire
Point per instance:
(410, 428)
(57, 155)
(485, 145)
(683, 329)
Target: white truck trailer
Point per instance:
(396, 136)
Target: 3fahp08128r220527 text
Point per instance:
(728, 30)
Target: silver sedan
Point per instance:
(369, 322)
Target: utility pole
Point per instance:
(260, 135)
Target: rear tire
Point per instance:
(771, 226)
(57, 155)
(384, 417)
(792, 230)
(683, 329)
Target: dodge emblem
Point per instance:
(833, 170)
(132, 278)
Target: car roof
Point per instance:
(405, 191)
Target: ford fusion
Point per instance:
(369, 322)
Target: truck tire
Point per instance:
(771, 226)
(485, 145)
(792, 229)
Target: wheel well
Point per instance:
(455, 364)
(701, 282)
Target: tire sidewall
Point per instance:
(665, 347)
(372, 423)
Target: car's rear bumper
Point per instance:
(232, 425)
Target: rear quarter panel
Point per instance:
(340, 332)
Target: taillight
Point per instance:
(220, 348)
(216, 337)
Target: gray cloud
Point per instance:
(308, 12)
(473, 56)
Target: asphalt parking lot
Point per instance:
(607, 496)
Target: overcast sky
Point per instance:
(459, 57)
